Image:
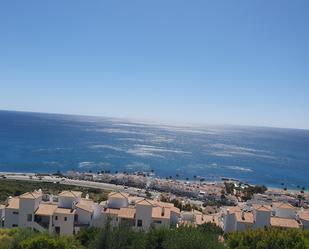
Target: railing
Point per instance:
(38, 227)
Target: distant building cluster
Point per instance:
(68, 212)
(197, 190)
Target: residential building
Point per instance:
(303, 217)
(284, 210)
(2, 208)
(259, 216)
(139, 212)
(64, 217)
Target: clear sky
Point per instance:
(236, 62)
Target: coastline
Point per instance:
(49, 177)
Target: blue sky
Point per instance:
(234, 62)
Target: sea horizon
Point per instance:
(44, 142)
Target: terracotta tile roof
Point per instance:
(31, 195)
(127, 213)
(118, 195)
(244, 217)
(135, 198)
(111, 211)
(161, 213)
(233, 209)
(163, 204)
(283, 205)
(175, 210)
(284, 222)
(145, 202)
(65, 211)
(259, 207)
(70, 194)
(85, 205)
(304, 215)
(13, 203)
(46, 209)
(199, 219)
(213, 218)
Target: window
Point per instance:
(15, 212)
(65, 218)
(29, 217)
(14, 225)
(157, 221)
(56, 217)
(139, 223)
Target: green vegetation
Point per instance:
(14, 188)
(269, 239)
(124, 237)
(27, 239)
(247, 192)
(207, 236)
(119, 237)
(182, 206)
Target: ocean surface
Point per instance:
(35, 142)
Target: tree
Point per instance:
(45, 241)
(269, 238)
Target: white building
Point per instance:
(68, 212)
(11, 212)
(261, 216)
(139, 212)
(284, 210)
(281, 215)
(64, 217)
(2, 208)
(303, 216)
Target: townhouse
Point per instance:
(139, 212)
(258, 216)
(64, 214)
(68, 212)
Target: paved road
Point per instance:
(65, 181)
(81, 183)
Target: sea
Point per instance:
(38, 142)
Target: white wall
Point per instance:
(97, 210)
(26, 207)
(187, 216)
(285, 212)
(305, 224)
(261, 218)
(67, 202)
(66, 227)
(144, 213)
(114, 202)
(2, 212)
(229, 222)
(11, 218)
(84, 217)
(174, 218)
